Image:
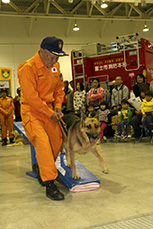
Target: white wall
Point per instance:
(18, 43)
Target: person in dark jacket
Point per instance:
(136, 121)
(17, 103)
(69, 97)
(140, 84)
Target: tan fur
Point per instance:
(18, 138)
(79, 142)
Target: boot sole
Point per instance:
(52, 198)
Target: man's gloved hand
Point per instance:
(59, 112)
(56, 115)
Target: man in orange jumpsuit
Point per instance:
(41, 100)
(6, 116)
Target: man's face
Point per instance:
(48, 58)
(118, 81)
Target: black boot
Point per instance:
(12, 140)
(52, 191)
(4, 141)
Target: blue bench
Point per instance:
(18, 126)
(88, 180)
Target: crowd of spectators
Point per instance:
(130, 108)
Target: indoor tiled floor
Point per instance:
(127, 191)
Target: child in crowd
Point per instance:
(91, 111)
(125, 118)
(104, 118)
(147, 112)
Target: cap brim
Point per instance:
(60, 54)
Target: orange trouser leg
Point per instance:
(53, 130)
(10, 127)
(4, 130)
(47, 141)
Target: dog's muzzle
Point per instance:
(92, 138)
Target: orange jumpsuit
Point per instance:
(6, 106)
(41, 92)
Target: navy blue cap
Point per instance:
(53, 45)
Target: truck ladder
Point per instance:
(128, 42)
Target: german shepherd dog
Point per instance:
(80, 139)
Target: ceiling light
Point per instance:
(6, 1)
(76, 27)
(70, 1)
(104, 5)
(145, 29)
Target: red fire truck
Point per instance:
(126, 57)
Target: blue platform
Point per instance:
(18, 126)
(88, 180)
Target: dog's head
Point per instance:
(91, 126)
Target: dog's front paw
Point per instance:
(76, 176)
(68, 162)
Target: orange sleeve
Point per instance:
(11, 108)
(59, 94)
(29, 91)
(2, 111)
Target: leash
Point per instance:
(63, 128)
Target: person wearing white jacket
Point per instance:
(118, 93)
